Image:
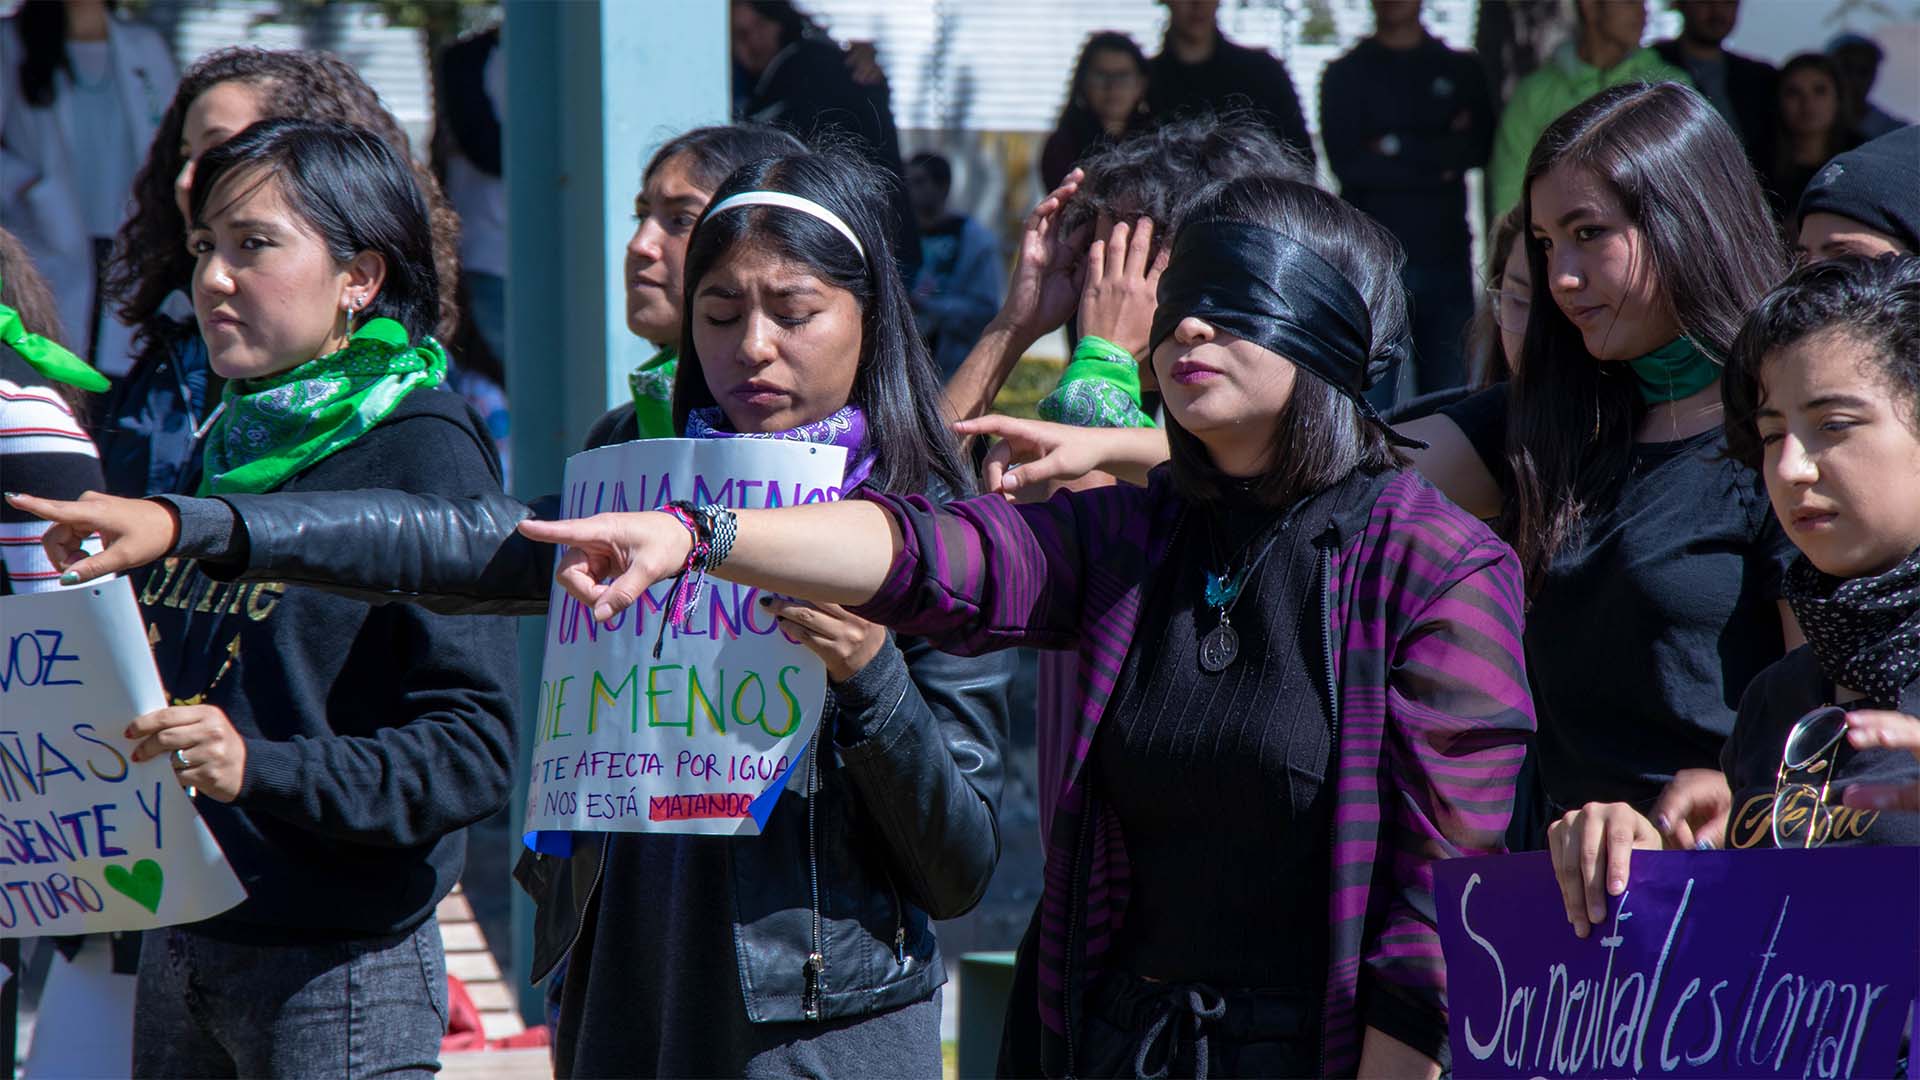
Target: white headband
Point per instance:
(791, 202)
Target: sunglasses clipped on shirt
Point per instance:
(1802, 817)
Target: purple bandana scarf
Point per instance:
(846, 429)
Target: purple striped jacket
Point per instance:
(1432, 721)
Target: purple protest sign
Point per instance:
(1712, 964)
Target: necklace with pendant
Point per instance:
(1221, 645)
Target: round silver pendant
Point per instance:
(1218, 649)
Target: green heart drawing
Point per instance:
(142, 884)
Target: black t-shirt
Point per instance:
(1779, 696)
(1649, 627)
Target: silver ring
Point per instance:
(180, 760)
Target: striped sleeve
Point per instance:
(982, 573)
(1458, 718)
(43, 452)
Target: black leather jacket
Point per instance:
(909, 755)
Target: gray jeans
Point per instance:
(354, 1008)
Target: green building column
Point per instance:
(592, 87)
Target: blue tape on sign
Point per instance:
(762, 806)
(557, 843)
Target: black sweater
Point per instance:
(374, 734)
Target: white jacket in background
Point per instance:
(38, 202)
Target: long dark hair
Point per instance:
(150, 258)
(1682, 177)
(1875, 302)
(1320, 435)
(353, 191)
(895, 381)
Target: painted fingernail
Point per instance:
(766, 601)
(71, 577)
(1661, 822)
(1704, 845)
(11, 495)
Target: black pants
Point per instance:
(1136, 1027)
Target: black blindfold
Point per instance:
(1265, 287)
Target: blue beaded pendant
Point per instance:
(1222, 591)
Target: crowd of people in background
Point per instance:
(1640, 543)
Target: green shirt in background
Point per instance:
(1562, 82)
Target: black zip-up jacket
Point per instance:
(911, 756)
(375, 734)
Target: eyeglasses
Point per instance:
(1097, 78)
(1509, 308)
(1802, 816)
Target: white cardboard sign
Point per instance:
(91, 841)
(702, 738)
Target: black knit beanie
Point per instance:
(1876, 184)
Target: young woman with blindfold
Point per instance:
(1257, 624)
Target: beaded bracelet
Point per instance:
(686, 584)
(722, 528)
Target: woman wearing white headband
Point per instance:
(808, 950)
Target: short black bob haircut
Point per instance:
(1320, 435)
(895, 382)
(1875, 302)
(352, 190)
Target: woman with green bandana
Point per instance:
(1654, 565)
(337, 749)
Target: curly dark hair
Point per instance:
(150, 259)
(1159, 174)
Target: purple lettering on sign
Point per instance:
(1711, 964)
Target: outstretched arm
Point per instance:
(970, 576)
(451, 554)
(834, 553)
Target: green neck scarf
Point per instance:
(1675, 370)
(49, 358)
(269, 429)
(652, 384)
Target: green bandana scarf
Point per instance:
(1675, 370)
(47, 357)
(1099, 388)
(269, 429)
(652, 384)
